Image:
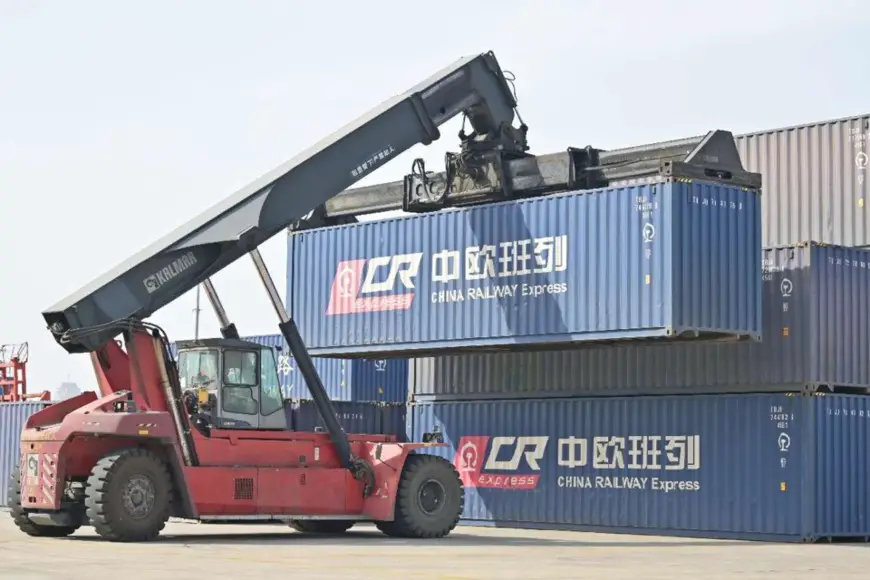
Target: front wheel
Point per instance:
(19, 515)
(321, 526)
(129, 496)
(429, 500)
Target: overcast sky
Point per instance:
(120, 122)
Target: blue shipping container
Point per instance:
(355, 417)
(344, 380)
(815, 328)
(12, 419)
(661, 260)
(775, 466)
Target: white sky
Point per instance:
(120, 122)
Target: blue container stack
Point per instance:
(667, 382)
(627, 359)
(761, 440)
(815, 336)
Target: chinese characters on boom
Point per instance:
(390, 282)
(649, 462)
(369, 163)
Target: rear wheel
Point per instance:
(19, 515)
(429, 500)
(321, 526)
(129, 496)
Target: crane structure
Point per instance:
(206, 438)
(13, 375)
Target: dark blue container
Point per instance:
(763, 466)
(655, 261)
(290, 414)
(394, 420)
(355, 417)
(815, 313)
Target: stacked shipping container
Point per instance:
(815, 313)
(789, 465)
(681, 260)
(766, 466)
(815, 181)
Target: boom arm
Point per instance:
(474, 86)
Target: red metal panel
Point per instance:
(305, 479)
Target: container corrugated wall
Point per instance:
(12, 419)
(815, 313)
(647, 261)
(349, 380)
(746, 466)
(355, 417)
(842, 469)
(344, 380)
(815, 181)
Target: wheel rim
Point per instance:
(139, 496)
(431, 497)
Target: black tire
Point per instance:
(321, 526)
(129, 496)
(19, 515)
(429, 500)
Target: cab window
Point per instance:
(240, 374)
(240, 368)
(198, 369)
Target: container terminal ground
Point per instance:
(188, 550)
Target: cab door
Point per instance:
(240, 392)
(272, 415)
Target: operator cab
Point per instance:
(231, 384)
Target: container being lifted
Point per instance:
(669, 249)
(671, 261)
